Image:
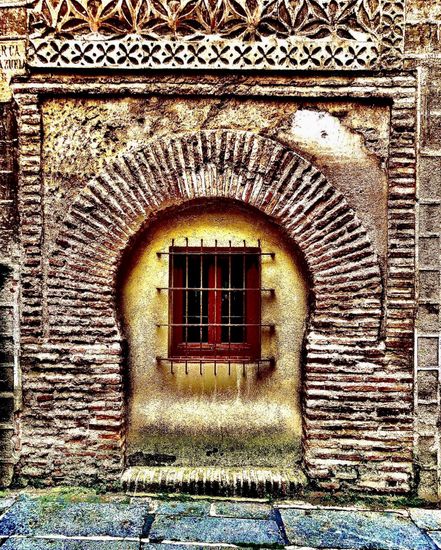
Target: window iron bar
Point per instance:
(219, 252)
(270, 361)
(231, 360)
(171, 296)
(201, 294)
(186, 297)
(244, 292)
(216, 297)
(160, 288)
(215, 324)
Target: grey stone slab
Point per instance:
(245, 510)
(436, 537)
(32, 544)
(165, 546)
(217, 530)
(6, 503)
(187, 508)
(356, 530)
(57, 544)
(38, 517)
(101, 545)
(426, 519)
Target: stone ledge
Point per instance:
(246, 482)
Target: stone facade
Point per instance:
(371, 374)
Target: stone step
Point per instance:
(238, 482)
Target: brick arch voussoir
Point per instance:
(236, 165)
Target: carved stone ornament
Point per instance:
(217, 34)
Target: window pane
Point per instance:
(232, 309)
(195, 299)
(237, 271)
(217, 318)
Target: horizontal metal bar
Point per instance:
(215, 325)
(214, 289)
(217, 253)
(202, 360)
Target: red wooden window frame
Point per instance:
(212, 344)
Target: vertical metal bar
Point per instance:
(244, 296)
(229, 293)
(171, 311)
(259, 297)
(201, 284)
(216, 328)
(186, 296)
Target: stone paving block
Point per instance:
(245, 510)
(6, 503)
(426, 519)
(436, 537)
(148, 546)
(57, 544)
(101, 545)
(355, 530)
(31, 516)
(190, 508)
(32, 544)
(217, 530)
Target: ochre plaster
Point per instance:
(227, 419)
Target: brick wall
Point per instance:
(423, 56)
(358, 425)
(423, 53)
(9, 398)
(428, 363)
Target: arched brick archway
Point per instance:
(343, 337)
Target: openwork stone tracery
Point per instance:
(266, 34)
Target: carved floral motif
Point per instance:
(244, 19)
(217, 34)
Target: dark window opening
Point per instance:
(215, 301)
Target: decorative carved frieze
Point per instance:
(133, 53)
(248, 20)
(216, 34)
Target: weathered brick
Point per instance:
(428, 385)
(428, 351)
(428, 319)
(430, 218)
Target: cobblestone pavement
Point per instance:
(30, 522)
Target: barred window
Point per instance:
(215, 303)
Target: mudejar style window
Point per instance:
(215, 303)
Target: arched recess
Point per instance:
(344, 328)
